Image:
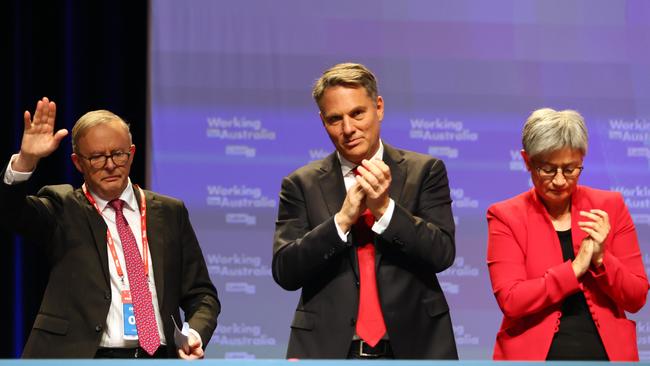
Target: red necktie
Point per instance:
(145, 320)
(370, 323)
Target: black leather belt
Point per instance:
(138, 352)
(361, 349)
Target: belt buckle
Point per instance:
(362, 353)
(137, 352)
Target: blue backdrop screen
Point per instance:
(232, 114)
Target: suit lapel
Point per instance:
(398, 171)
(98, 229)
(155, 226)
(331, 184)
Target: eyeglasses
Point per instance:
(99, 161)
(549, 172)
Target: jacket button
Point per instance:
(98, 328)
(107, 295)
(353, 322)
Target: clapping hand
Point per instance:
(598, 229)
(375, 179)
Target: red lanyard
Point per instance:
(143, 230)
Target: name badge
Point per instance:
(130, 330)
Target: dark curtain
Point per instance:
(84, 55)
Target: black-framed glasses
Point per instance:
(119, 158)
(569, 172)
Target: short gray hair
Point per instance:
(92, 119)
(547, 130)
(351, 75)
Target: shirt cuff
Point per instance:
(14, 177)
(378, 227)
(382, 224)
(197, 335)
(342, 235)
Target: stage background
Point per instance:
(231, 114)
(84, 55)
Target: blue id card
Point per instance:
(130, 330)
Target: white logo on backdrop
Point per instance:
(440, 151)
(318, 154)
(241, 219)
(516, 161)
(463, 337)
(449, 287)
(440, 129)
(240, 150)
(236, 265)
(637, 197)
(460, 269)
(240, 287)
(237, 129)
(637, 130)
(237, 196)
(239, 356)
(241, 334)
(460, 200)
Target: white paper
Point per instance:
(181, 336)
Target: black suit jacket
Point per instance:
(73, 312)
(308, 254)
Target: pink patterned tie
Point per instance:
(145, 319)
(370, 323)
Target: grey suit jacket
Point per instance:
(308, 254)
(73, 312)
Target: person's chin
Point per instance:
(558, 196)
(113, 187)
(356, 154)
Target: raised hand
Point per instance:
(582, 260)
(353, 207)
(375, 178)
(39, 139)
(598, 229)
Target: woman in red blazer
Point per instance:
(564, 259)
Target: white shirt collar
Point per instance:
(347, 165)
(127, 196)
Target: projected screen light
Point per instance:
(231, 115)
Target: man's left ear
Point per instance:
(132, 150)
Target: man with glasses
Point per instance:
(123, 259)
(564, 258)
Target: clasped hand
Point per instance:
(371, 191)
(592, 247)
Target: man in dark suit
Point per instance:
(363, 233)
(123, 260)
